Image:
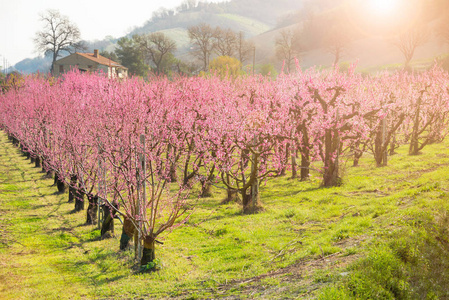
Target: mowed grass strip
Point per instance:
(291, 249)
(43, 251)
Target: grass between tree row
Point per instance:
(380, 235)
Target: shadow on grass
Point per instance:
(103, 261)
(57, 207)
(57, 193)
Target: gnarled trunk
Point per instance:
(251, 198)
(205, 189)
(283, 170)
(127, 233)
(46, 167)
(305, 165)
(61, 185)
(148, 253)
(72, 188)
(294, 170)
(331, 165)
(79, 199)
(108, 218)
(206, 184)
(91, 213)
(37, 162)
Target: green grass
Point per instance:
(253, 26)
(308, 242)
(179, 35)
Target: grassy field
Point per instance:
(383, 234)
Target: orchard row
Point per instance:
(128, 143)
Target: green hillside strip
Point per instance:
(299, 245)
(179, 35)
(250, 26)
(253, 26)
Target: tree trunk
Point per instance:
(287, 155)
(249, 206)
(294, 170)
(148, 254)
(173, 177)
(357, 156)
(72, 188)
(251, 199)
(172, 167)
(79, 199)
(91, 213)
(205, 189)
(46, 168)
(37, 162)
(127, 233)
(137, 245)
(392, 145)
(231, 194)
(305, 165)
(414, 139)
(108, 219)
(61, 185)
(331, 166)
(330, 177)
(337, 57)
(378, 148)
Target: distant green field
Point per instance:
(249, 26)
(385, 225)
(179, 35)
(253, 26)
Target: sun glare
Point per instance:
(382, 7)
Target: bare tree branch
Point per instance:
(202, 38)
(288, 46)
(225, 42)
(58, 35)
(410, 39)
(156, 47)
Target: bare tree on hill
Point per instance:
(410, 39)
(58, 35)
(337, 38)
(156, 47)
(225, 42)
(202, 37)
(244, 47)
(288, 46)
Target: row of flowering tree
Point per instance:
(128, 144)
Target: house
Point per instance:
(90, 62)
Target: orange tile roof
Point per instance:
(101, 60)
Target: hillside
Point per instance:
(252, 17)
(371, 53)
(262, 21)
(256, 11)
(237, 23)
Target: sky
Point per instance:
(20, 20)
